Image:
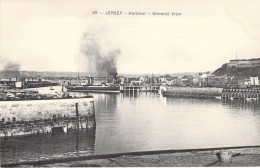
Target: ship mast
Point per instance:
(78, 76)
(106, 77)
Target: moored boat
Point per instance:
(218, 97)
(93, 88)
(248, 99)
(255, 99)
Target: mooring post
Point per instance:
(77, 115)
(77, 141)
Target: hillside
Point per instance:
(238, 73)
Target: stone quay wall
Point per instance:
(202, 92)
(42, 116)
(208, 92)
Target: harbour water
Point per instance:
(128, 122)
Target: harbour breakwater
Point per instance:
(208, 92)
(45, 116)
(192, 92)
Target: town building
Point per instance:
(254, 81)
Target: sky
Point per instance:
(48, 35)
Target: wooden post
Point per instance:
(77, 115)
(77, 141)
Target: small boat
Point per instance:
(218, 97)
(10, 94)
(231, 98)
(254, 99)
(248, 99)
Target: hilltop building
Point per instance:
(244, 63)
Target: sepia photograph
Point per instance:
(117, 83)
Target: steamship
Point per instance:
(102, 88)
(97, 84)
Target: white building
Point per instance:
(254, 81)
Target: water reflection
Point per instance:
(44, 146)
(232, 104)
(106, 103)
(128, 122)
(211, 122)
(242, 103)
(138, 94)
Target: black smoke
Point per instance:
(103, 63)
(9, 69)
(9, 66)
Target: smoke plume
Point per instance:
(104, 63)
(9, 66)
(9, 69)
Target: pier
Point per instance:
(139, 88)
(225, 93)
(27, 117)
(192, 92)
(239, 93)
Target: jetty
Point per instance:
(252, 94)
(192, 92)
(139, 88)
(241, 93)
(25, 117)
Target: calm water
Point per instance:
(146, 121)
